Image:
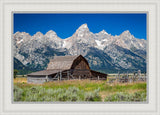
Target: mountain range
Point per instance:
(104, 52)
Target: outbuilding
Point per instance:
(66, 68)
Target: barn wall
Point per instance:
(80, 68)
(81, 73)
(39, 79)
(80, 63)
(36, 79)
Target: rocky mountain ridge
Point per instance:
(102, 50)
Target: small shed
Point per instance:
(66, 68)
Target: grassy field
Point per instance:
(78, 90)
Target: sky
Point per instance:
(66, 24)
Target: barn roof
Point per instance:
(65, 58)
(62, 62)
(45, 72)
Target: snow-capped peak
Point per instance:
(103, 32)
(21, 36)
(82, 31)
(21, 33)
(83, 27)
(51, 34)
(17, 33)
(127, 32)
(38, 35)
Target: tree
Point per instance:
(15, 73)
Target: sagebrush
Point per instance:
(79, 90)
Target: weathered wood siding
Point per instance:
(80, 68)
(81, 64)
(84, 74)
(38, 79)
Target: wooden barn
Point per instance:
(66, 68)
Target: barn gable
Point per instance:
(80, 63)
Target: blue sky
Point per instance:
(66, 24)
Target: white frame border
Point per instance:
(7, 7)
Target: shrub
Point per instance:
(73, 97)
(59, 90)
(73, 89)
(62, 97)
(32, 97)
(89, 96)
(17, 93)
(47, 98)
(71, 94)
(92, 96)
(35, 93)
(137, 96)
(51, 92)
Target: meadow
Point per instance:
(79, 90)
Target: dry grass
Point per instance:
(81, 83)
(20, 80)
